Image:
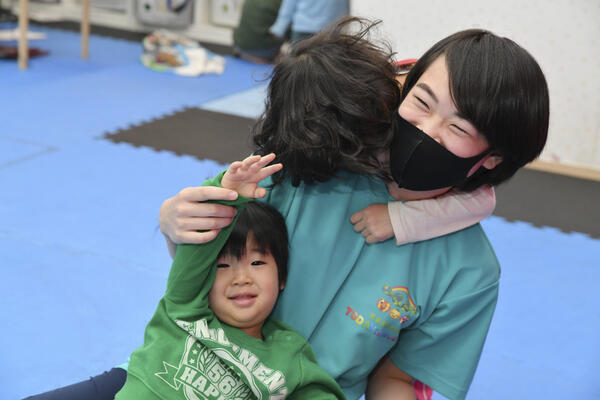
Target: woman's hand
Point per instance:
(373, 223)
(182, 216)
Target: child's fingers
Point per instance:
(262, 162)
(372, 239)
(357, 216)
(359, 226)
(267, 159)
(249, 162)
(246, 163)
(259, 193)
(270, 170)
(234, 167)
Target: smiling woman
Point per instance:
(475, 91)
(410, 165)
(430, 126)
(430, 107)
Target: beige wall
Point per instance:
(563, 35)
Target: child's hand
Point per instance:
(373, 223)
(243, 176)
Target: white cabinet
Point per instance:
(209, 24)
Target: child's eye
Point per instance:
(258, 262)
(222, 265)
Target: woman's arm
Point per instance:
(387, 382)
(284, 18)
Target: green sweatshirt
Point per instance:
(189, 354)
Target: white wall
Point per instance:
(563, 35)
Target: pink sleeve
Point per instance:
(418, 220)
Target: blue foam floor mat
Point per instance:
(248, 104)
(84, 264)
(99, 96)
(543, 343)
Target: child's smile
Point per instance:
(243, 299)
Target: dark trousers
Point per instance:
(100, 387)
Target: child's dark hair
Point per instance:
(329, 105)
(268, 230)
(500, 88)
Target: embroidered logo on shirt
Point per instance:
(202, 374)
(402, 306)
(369, 324)
(399, 308)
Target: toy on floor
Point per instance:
(11, 52)
(11, 35)
(168, 51)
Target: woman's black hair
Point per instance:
(329, 105)
(267, 228)
(498, 87)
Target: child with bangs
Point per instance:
(211, 336)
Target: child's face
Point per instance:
(245, 289)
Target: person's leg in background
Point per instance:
(297, 36)
(100, 387)
(251, 38)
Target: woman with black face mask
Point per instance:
(384, 318)
(474, 111)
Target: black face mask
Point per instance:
(418, 162)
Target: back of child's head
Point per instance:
(500, 88)
(266, 226)
(329, 105)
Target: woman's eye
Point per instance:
(258, 262)
(421, 103)
(458, 130)
(222, 265)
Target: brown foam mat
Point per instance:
(542, 198)
(193, 131)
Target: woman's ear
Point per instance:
(492, 161)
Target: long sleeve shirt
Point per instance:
(308, 16)
(414, 221)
